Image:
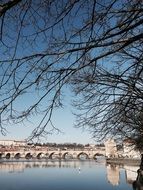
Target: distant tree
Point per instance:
(100, 145)
(87, 145)
(94, 46)
(38, 144)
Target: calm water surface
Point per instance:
(65, 175)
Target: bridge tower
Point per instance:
(110, 148)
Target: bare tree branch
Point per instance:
(94, 47)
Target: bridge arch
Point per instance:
(51, 155)
(17, 155)
(1, 155)
(96, 155)
(40, 155)
(67, 156)
(7, 156)
(47, 155)
(83, 155)
(28, 155)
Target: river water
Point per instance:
(66, 175)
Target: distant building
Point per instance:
(110, 148)
(12, 143)
(129, 149)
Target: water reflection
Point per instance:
(21, 166)
(90, 174)
(131, 173)
(113, 174)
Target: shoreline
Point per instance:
(127, 161)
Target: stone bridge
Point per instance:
(51, 154)
(29, 152)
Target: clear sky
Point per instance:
(46, 46)
(63, 119)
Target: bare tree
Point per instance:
(95, 47)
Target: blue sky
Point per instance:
(62, 118)
(31, 34)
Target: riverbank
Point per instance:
(127, 161)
